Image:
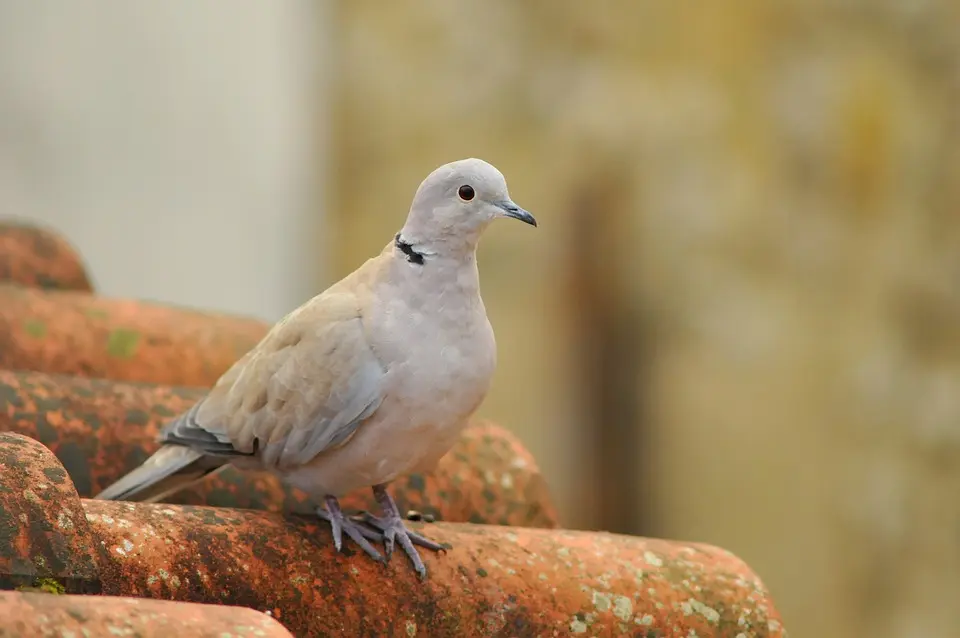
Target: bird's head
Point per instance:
(456, 202)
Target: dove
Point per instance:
(372, 379)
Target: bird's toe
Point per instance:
(357, 531)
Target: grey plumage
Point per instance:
(167, 471)
(372, 378)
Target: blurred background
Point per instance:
(739, 320)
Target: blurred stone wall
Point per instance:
(779, 186)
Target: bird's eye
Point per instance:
(466, 192)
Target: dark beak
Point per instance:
(512, 210)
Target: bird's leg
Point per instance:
(391, 524)
(340, 523)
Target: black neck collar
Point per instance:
(407, 249)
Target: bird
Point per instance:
(371, 379)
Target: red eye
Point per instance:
(466, 192)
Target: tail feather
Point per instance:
(169, 470)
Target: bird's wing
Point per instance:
(304, 389)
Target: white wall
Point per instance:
(175, 144)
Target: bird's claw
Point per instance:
(394, 531)
(358, 532)
(390, 528)
(393, 526)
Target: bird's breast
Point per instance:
(438, 370)
(445, 380)
(438, 350)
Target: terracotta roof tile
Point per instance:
(38, 257)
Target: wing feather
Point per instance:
(304, 389)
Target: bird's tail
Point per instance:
(169, 470)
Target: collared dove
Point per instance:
(371, 379)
